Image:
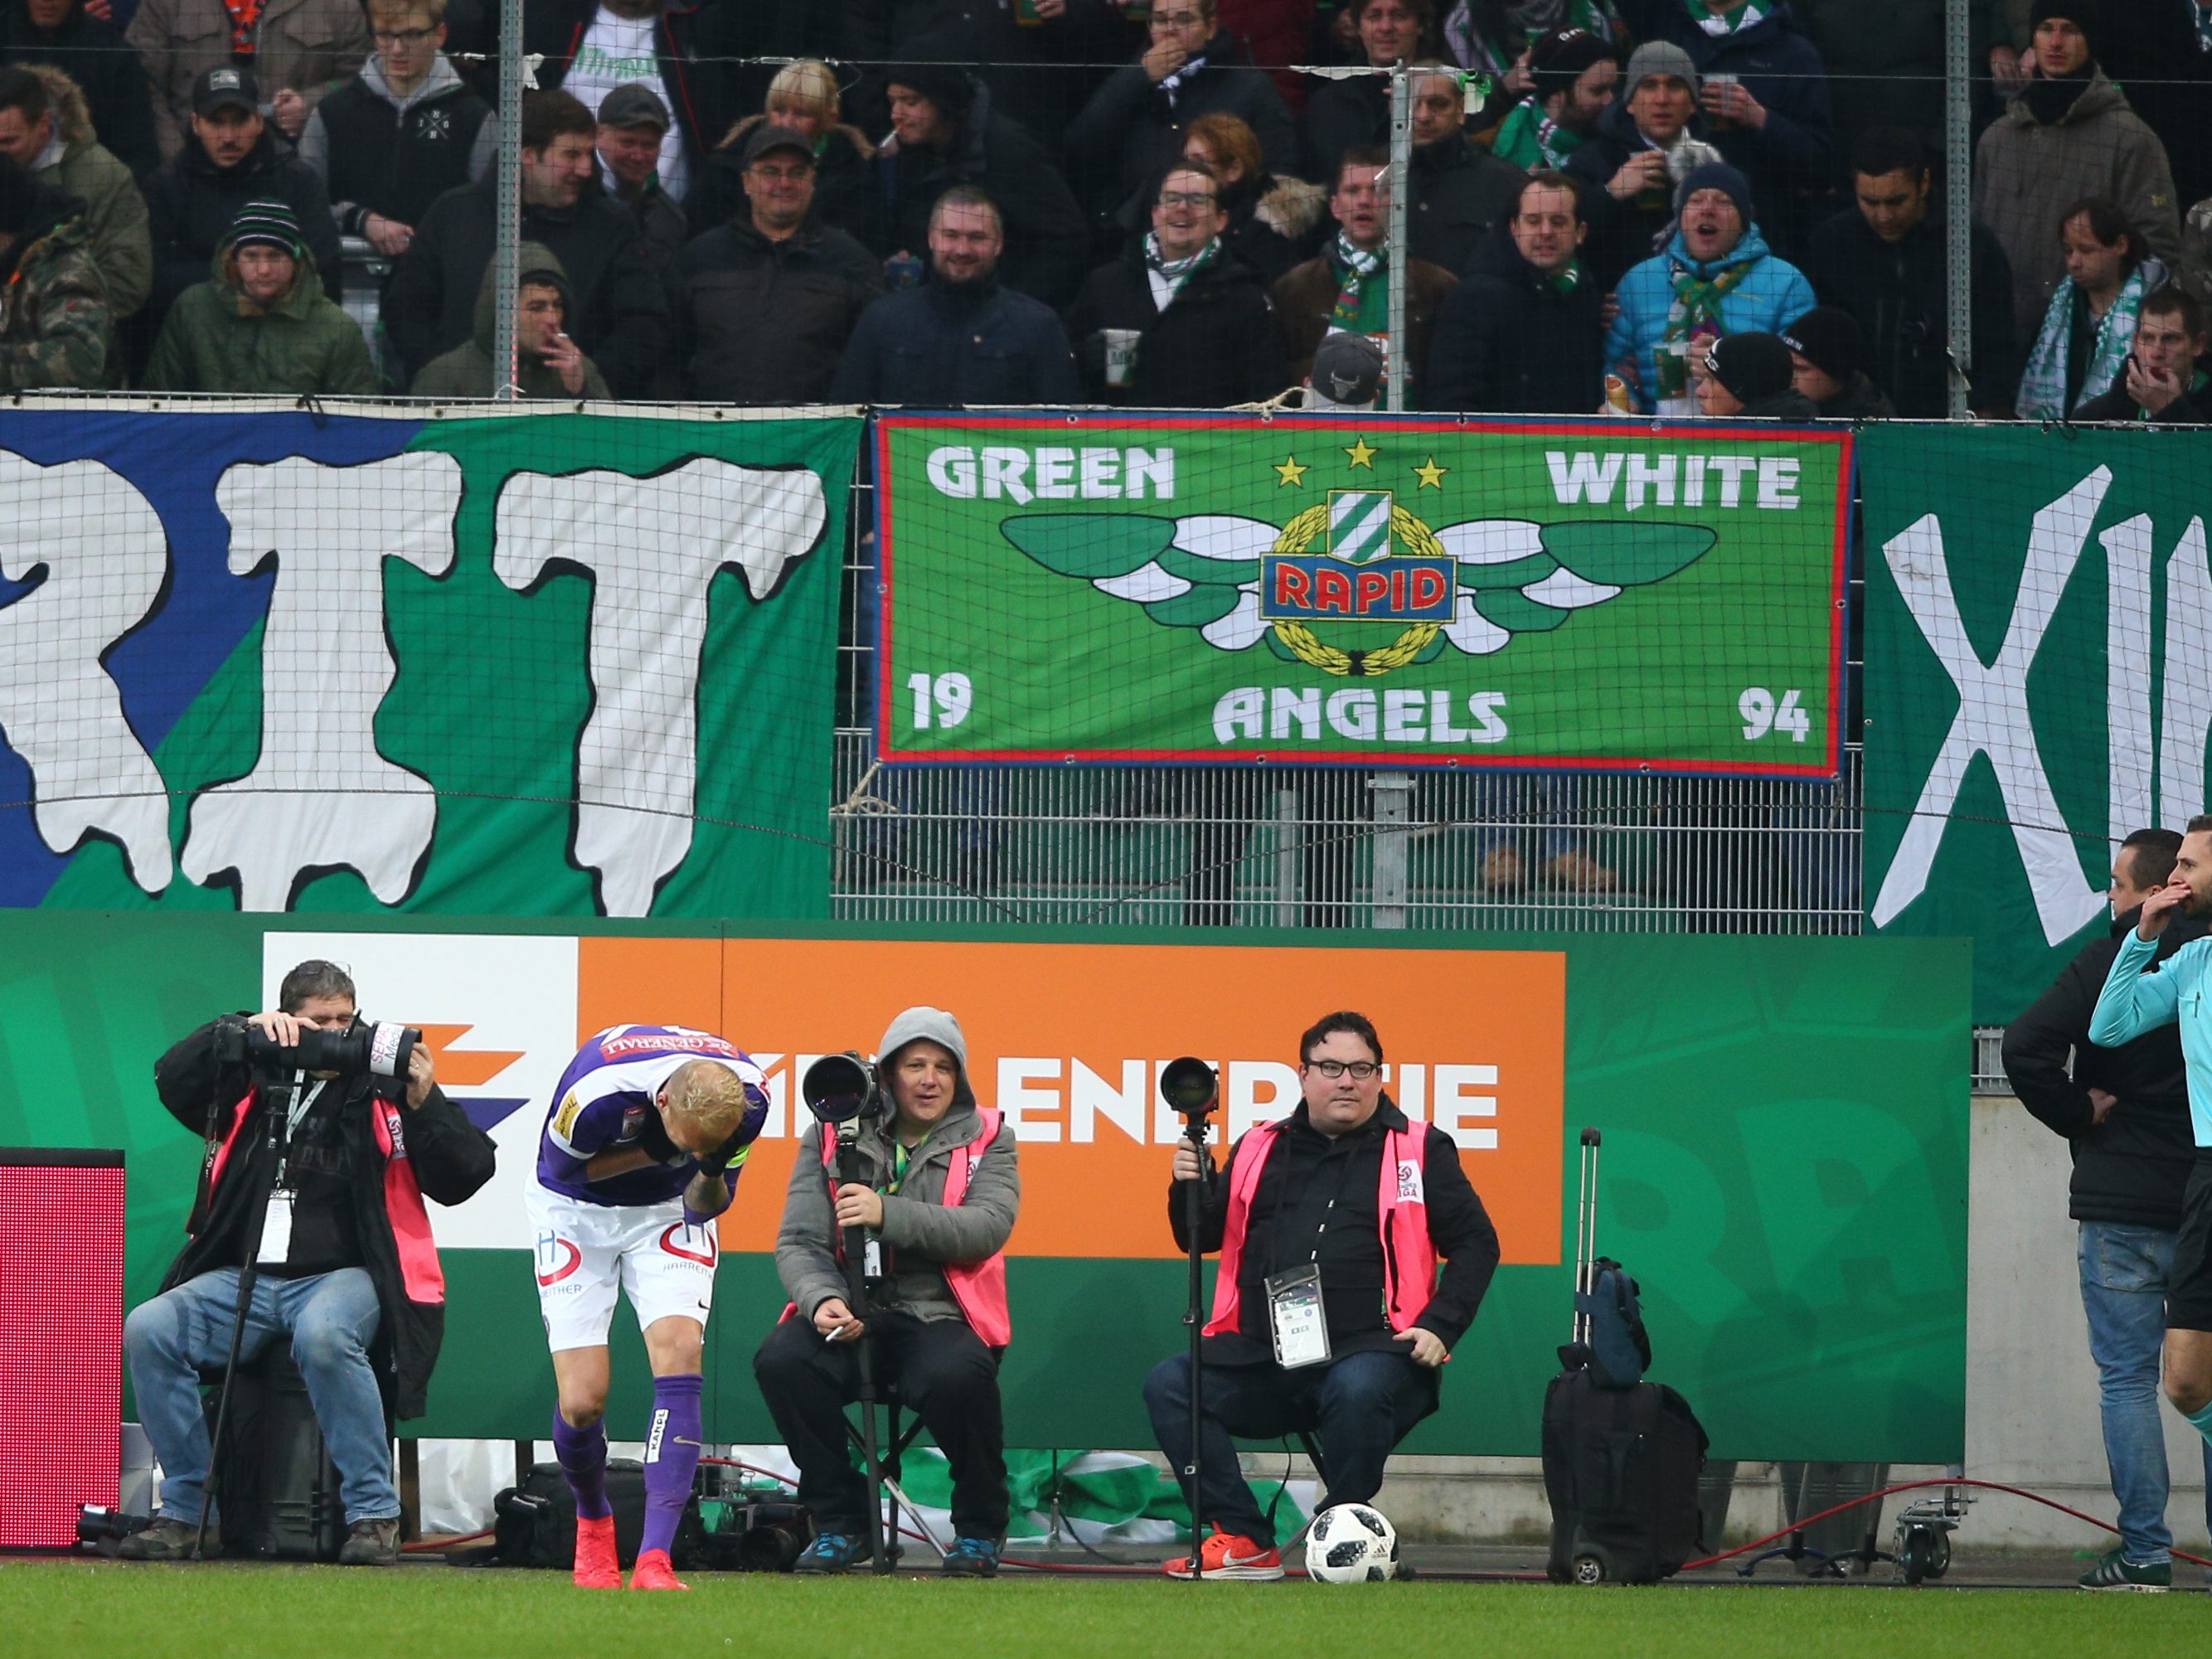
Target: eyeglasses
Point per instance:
(1187, 198)
(782, 175)
(401, 37)
(1361, 1069)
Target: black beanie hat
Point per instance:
(944, 85)
(1752, 366)
(1557, 59)
(2084, 15)
(1828, 338)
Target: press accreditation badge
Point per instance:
(277, 1231)
(1295, 1312)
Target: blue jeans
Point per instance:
(1359, 1407)
(330, 1318)
(2124, 1271)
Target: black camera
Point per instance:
(96, 1524)
(838, 1088)
(380, 1051)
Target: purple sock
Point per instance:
(582, 1455)
(672, 1456)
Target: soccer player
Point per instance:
(640, 1153)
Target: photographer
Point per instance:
(346, 1269)
(1347, 1201)
(939, 1195)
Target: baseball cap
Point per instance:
(226, 86)
(634, 105)
(770, 136)
(1347, 369)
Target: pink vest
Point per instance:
(1409, 1260)
(980, 1287)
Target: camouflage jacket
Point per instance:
(55, 332)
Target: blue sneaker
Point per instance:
(832, 1552)
(973, 1558)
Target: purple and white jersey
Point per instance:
(604, 1102)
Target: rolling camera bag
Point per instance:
(1621, 1455)
(277, 1490)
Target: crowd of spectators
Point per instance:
(1135, 202)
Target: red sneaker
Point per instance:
(654, 1571)
(596, 1566)
(1225, 1555)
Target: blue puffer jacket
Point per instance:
(1774, 294)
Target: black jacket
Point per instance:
(690, 42)
(1216, 345)
(1342, 115)
(1460, 190)
(1046, 238)
(96, 57)
(621, 315)
(2132, 1167)
(1860, 399)
(940, 345)
(1291, 1210)
(766, 322)
(846, 194)
(1899, 293)
(1621, 233)
(450, 1156)
(1508, 342)
(2192, 408)
(1787, 404)
(395, 166)
(191, 202)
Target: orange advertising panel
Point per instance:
(1068, 1041)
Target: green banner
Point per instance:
(2039, 682)
(521, 664)
(1785, 1167)
(1398, 592)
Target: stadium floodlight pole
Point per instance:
(1958, 197)
(1401, 185)
(507, 228)
(1191, 1088)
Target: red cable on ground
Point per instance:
(1804, 1522)
(446, 1543)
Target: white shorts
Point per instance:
(585, 1252)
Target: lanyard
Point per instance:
(303, 1102)
(901, 1155)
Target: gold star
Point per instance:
(1432, 475)
(1289, 473)
(1361, 455)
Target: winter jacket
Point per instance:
(1274, 223)
(1508, 341)
(2026, 174)
(1621, 233)
(1285, 1227)
(2192, 408)
(936, 344)
(1900, 292)
(1046, 238)
(1342, 115)
(107, 74)
(377, 152)
(1886, 61)
(691, 41)
(765, 322)
(1791, 161)
(466, 371)
(1130, 130)
(309, 46)
(56, 334)
(1216, 344)
(846, 195)
(2133, 1166)
(217, 340)
(1858, 399)
(620, 317)
(114, 210)
(1305, 298)
(190, 204)
(1774, 293)
(1787, 404)
(1460, 190)
(920, 1234)
(437, 1152)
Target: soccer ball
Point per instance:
(1350, 1544)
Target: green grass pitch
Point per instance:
(61, 1609)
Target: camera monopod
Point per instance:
(840, 1089)
(1191, 1087)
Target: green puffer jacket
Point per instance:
(216, 340)
(55, 331)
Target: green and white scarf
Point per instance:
(1174, 272)
(1528, 19)
(2043, 387)
(1355, 268)
(1696, 310)
(1743, 14)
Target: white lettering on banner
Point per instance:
(653, 547)
(2128, 752)
(1091, 473)
(1256, 1091)
(320, 796)
(1090, 1098)
(1583, 476)
(1019, 1097)
(2185, 710)
(1455, 1104)
(1357, 714)
(104, 558)
(1993, 717)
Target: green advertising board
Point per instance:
(1785, 1172)
(1397, 590)
(2039, 680)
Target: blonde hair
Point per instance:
(807, 83)
(705, 1096)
